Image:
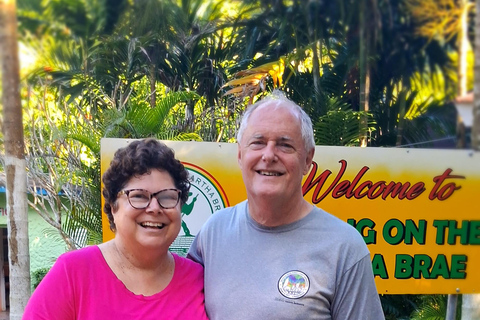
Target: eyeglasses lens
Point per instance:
(167, 198)
(140, 199)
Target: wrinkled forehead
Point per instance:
(276, 105)
(274, 120)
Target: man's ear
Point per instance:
(239, 155)
(308, 162)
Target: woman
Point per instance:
(133, 276)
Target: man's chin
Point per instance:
(267, 193)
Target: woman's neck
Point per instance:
(140, 273)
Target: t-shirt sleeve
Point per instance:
(53, 298)
(195, 251)
(356, 295)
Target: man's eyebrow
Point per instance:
(285, 139)
(257, 136)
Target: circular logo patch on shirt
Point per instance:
(293, 284)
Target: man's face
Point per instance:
(272, 154)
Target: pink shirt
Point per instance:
(82, 286)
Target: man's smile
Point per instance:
(269, 173)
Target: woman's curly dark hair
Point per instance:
(136, 159)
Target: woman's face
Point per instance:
(152, 227)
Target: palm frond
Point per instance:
(84, 226)
(341, 125)
(146, 121)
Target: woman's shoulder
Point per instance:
(187, 263)
(83, 255)
(188, 272)
(76, 263)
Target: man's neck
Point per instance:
(273, 213)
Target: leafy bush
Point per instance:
(38, 275)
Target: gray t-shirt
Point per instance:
(315, 268)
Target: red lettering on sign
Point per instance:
(367, 188)
(447, 190)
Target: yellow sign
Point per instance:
(417, 209)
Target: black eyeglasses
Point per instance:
(140, 198)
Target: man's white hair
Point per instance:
(278, 99)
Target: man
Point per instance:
(276, 256)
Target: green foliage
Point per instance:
(399, 307)
(417, 307)
(434, 307)
(84, 225)
(141, 120)
(341, 126)
(38, 275)
(67, 18)
(67, 175)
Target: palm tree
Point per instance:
(476, 102)
(446, 20)
(15, 164)
(471, 302)
(182, 49)
(60, 183)
(369, 18)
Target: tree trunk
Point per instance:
(463, 46)
(15, 164)
(402, 97)
(366, 43)
(476, 88)
(316, 73)
(364, 72)
(153, 93)
(470, 306)
(471, 302)
(189, 115)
